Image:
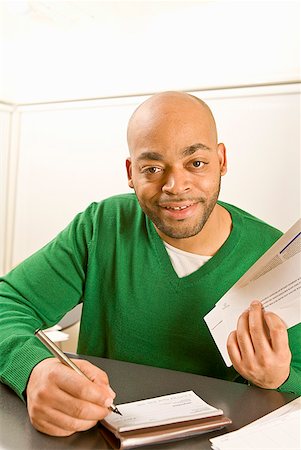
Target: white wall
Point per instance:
(93, 49)
(71, 154)
(6, 143)
(56, 158)
(261, 130)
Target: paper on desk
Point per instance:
(274, 280)
(160, 411)
(55, 334)
(279, 429)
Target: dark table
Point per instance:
(241, 403)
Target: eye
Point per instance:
(198, 164)
(151, 170)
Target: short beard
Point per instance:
(188, 231)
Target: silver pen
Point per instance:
(56, 351)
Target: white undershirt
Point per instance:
(185, 263)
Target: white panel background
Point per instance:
(73, 153)
(136, 47)
(5, 137)
(261, 130)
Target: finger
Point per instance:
(95, 374)
(233, 349)
(78, 409)
(78, 386)
(56, 423)
(258, 329)
(92, 372)
(243, 336)
(278, 332)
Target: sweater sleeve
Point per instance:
(293, 383)
(37, 294)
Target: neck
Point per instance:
(210, 239)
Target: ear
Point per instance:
(128, 164)
(222, 156)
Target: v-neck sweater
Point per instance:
(135, 307)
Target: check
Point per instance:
(161, 419)
(161, 411)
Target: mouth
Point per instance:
(178, 211)
(177, 208)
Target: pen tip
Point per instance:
(116, 410)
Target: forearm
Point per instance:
(19, 349)
(37, 294)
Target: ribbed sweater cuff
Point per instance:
(24, 359)
(292, 384)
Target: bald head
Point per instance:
(166, 110)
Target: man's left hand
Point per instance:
(259, 348)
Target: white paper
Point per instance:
(284, 248)
(278, 430)
(275, 280)
(161, 410)
(55, 335)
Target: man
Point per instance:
(148, 267)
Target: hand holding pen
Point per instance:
(58, 353)
(60, 402)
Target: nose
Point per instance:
(175, 182)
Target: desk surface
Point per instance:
(241, 403)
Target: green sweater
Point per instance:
(135, 307)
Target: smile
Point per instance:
(178, 211)
(176, 206)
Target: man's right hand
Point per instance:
(61, 402)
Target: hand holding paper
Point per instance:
(259, 348)
(274, 280)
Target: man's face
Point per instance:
(175, 169)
